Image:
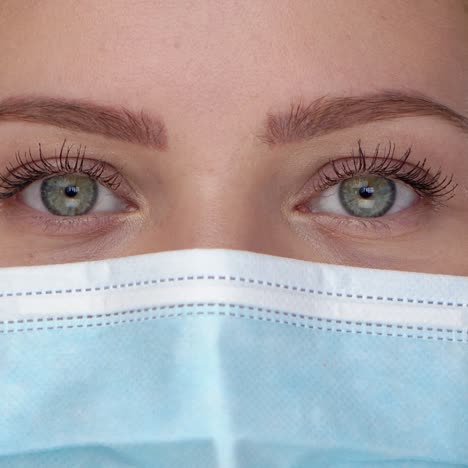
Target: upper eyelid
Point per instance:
(65, 155)
(415, 173)
(30, 168)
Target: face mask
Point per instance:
(219, 358)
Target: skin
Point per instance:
(213, 73)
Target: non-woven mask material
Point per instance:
(220, 358)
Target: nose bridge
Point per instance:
(217, 209)
(218, 203)
(222, 196)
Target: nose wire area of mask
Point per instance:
(219, 358)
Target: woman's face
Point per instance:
(276, 127)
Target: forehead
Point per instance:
(200, 58)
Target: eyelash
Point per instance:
(437, 187)
(29, 170)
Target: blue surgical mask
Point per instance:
(219, 358)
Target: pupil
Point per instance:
(72, 191)
(366, 192)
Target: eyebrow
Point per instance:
(302, 122)
(80, 115)
(328, 114)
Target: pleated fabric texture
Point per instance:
(220, 358)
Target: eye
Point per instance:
(365, 196)
(70, 195)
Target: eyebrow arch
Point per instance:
(84, 116)
(328, 114)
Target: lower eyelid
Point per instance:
(402, 223)
(81, 225)
(20, 216)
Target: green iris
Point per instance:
(69, 195)
(367, 196)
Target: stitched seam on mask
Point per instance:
(239, 280)
(44, 321)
